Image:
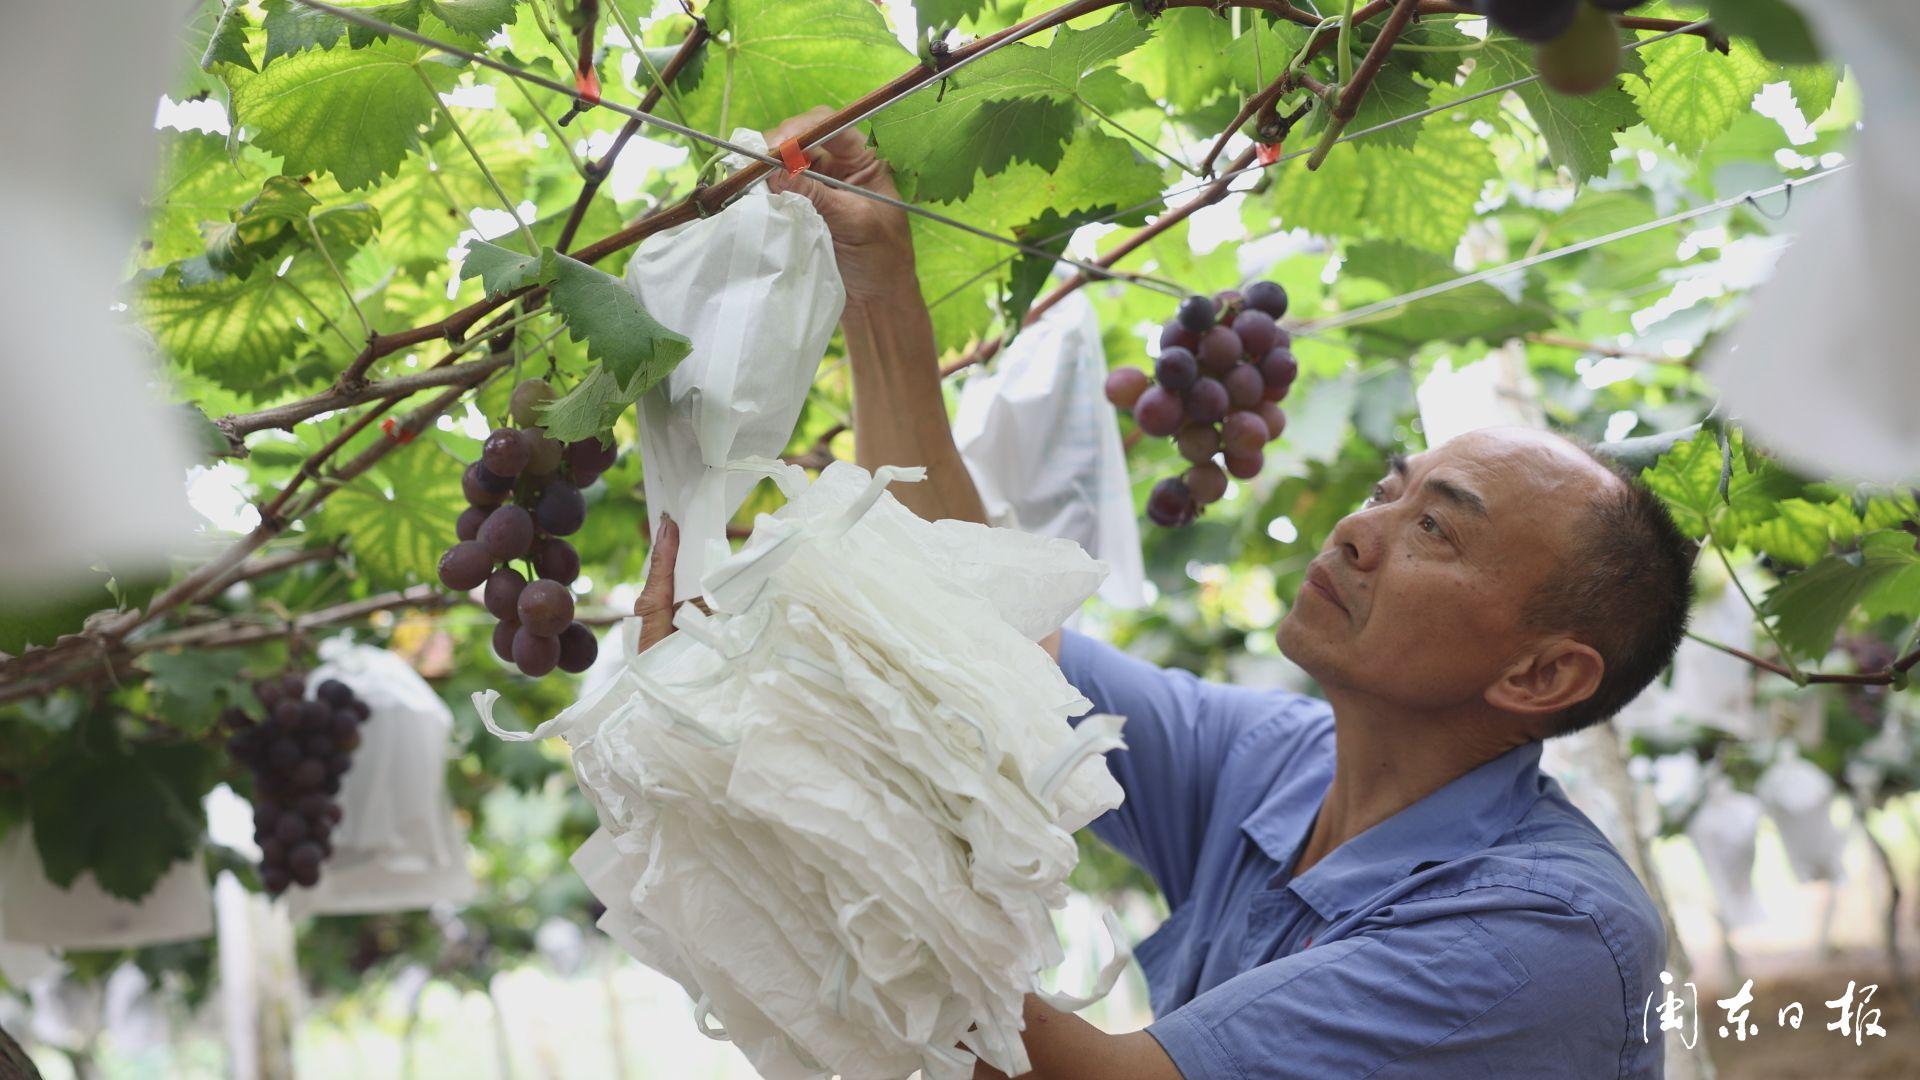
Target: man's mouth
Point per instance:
(1319, 581)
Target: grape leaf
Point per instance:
(398, 517)
(1814, 87)
(1013, 105)
(285, 212)
(1691, 93)
(1809, 607)
(948, 13)
(773, 58)
(1394, 93)
(191, 686)
(293, 27)
(231, 329)
(1579, 129)
(500, 269)
(600, 310)
(587, 410)
(1425, 196)
(200, 181)
(228, 42)
(1173, 68)
(1779, 29)
(1464, 314)
(424, 209)
(1799, 532)
(355, 113)
(125, 813)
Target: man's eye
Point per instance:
(1430, 525)
(1379, 492)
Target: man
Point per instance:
(1382, 883)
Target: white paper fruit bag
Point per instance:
(839, 809)
(397, 847)
(756, 291)
(86, 916)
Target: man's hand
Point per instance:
(655, 605)
(871, 241)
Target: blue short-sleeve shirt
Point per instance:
(1488, 930)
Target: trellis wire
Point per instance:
(1346, 318)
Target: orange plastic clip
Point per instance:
(795, 158)
(1267, 153)
(396, 432)
(588, 84)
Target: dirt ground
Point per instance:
(1779, 1053)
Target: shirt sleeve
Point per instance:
(1179, 729)
(1483, 995)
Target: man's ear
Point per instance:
(1549, 679)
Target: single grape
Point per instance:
(1207, 482)
(271, 849)
(293, 684)
(1170, 503)
(334, 692)
(503, 638)
(290, 828)
(526, 401)
(310, 773)
(1219, 351)
(504, 453)
(286, 712)
(306, 879)
(1230, 304)
(267, 691)
(1277, 372)
(275, 879)
(1125, 385)
(1275, 419)
(1176, 369)
(304, 855)
(1244, 386)
(1244, 466)
(1257, 331)
(467, 526)
(1198, 442)
(332, 786)
(317, 744)
(1196, 314)
(561, 510)
(483, 488)
(508, 533)
(1175, 336)
(555, 560)
(1243, 433)
(283, 753)
(545, 608)
(338, 763)
(1207, 401)
(1583, 58)
(315, 714)
(588, 456)
(502, 596)
(578, 649)
(1530, 20)
(348, 741)
(1269, 297)
(534, 654)
(1159, 412)
(465, 565)
(543, 453)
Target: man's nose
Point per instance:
(1357, 537)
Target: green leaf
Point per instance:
(232, 329)
(1777, 27)
(293, 27)
(1425, 197)
(1175, 68)
(228, 43)
(201, 180)
(286, 212)
(398, 517)
(1471, 312)
(125, 814)
(1395, 93)
(949, 13)
(774, 58)
(355, 113)
(1692, 93)
(1810, 607)
(600, 310)
(589, 409)
(1016, 104)
(1814, 87)
(1579, 129)
(190, 687)
(1799, 532)
(500, 270)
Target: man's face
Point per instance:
(1417, 597)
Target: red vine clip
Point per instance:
(394, 431)
(795, 158)
(588, 83)
(1267, 153)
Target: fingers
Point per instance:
(841, 157)
(655, 604)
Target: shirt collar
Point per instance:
(1462, 816)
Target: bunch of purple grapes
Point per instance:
(1225, 365)
(523, 496)
(297, 753)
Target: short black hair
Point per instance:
(1627, 591)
